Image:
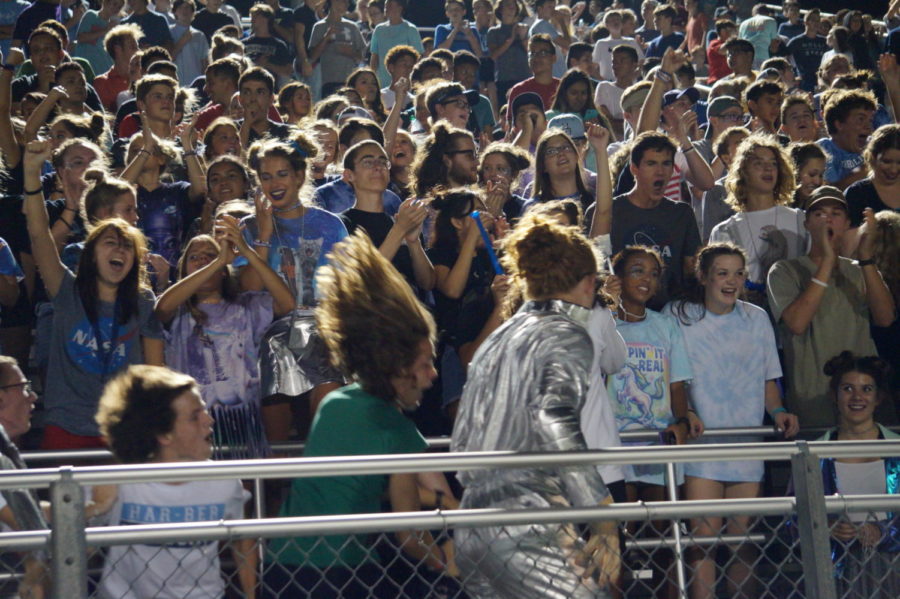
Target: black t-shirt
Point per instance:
(307, 17)
(670, 228)
(378, 225)
(280, 131)
(29, 83)
(33, 16)
(861, 195)
(209, 23)
(461, 320)
(256, 47)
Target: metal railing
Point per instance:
(70, 536)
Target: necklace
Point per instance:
(637, 317)
(294, 206)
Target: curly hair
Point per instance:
(846, 362)
(91, 127)
(299, 153)
(735, 183)
(516, 159)
(837, 106)
(136, 409)
(547, 258)
(449, 204)
(429, 169)
(369, 317)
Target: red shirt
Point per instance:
(696, 32)
(545, 91)
(108, 86)
(213, 111)
(718, 64)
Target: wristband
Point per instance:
(261, 243)
(869, 262)
(663, 76)
(690, 148)
(777, 411)
(39, 190)
(63, 221)
(819, 283)
(145, 151)
(191, 153)
(683, 420)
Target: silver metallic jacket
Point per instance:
(526, 387)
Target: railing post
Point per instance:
(812, 522)
(678, 550)
(67, 545)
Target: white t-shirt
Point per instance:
(598, 420)
(603, 50)
(862, 478)
(610, 95)
(767, 236)
(176, 571)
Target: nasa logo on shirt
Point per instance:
(82, 346)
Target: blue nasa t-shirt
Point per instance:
(166, 214)
(83, 356)
(299, 247)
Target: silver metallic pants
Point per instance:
(526, 561)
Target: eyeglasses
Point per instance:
(26, 387)
(470, 153)
(556, 150)
(372, 163)
(499, 170)
(540, 54)
(461, 103)
(734, 118)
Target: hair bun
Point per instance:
(97, 175)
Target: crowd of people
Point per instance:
(703, 196)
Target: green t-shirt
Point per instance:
(349, 422)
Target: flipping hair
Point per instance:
(136, 408)
(369, 317)
(784, 183)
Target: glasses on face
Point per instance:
(732, 118)
(557, 150)
(540, 54)
(372, 162)
(460, 103)
(498, 170)
(469, 153)
(26, 387)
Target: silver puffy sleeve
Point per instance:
(560, 395)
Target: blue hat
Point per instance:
(690, 93)
(570, 123)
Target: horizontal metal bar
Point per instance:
(667, 543)
(365, 465)
(862, 503)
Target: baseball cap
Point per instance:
(354, 111)
(690, 93)
(826, 194)
(570, 123)
(717, 106)
(449, 91)
(526, 99)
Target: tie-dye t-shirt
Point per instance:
(640, 392)
(299, 248)
(732, 356)
(222, 353)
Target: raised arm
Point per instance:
(195, 166)
(265, 226)
(41, 114)
(601, 223)
(9, 145)
(180, 292)
(652, 107)
(401, 89)
(229, 233)
(133, 171)
(452, 281)
(42, 246)
(878, 296)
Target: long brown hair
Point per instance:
(543, 189)
(132, 286)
